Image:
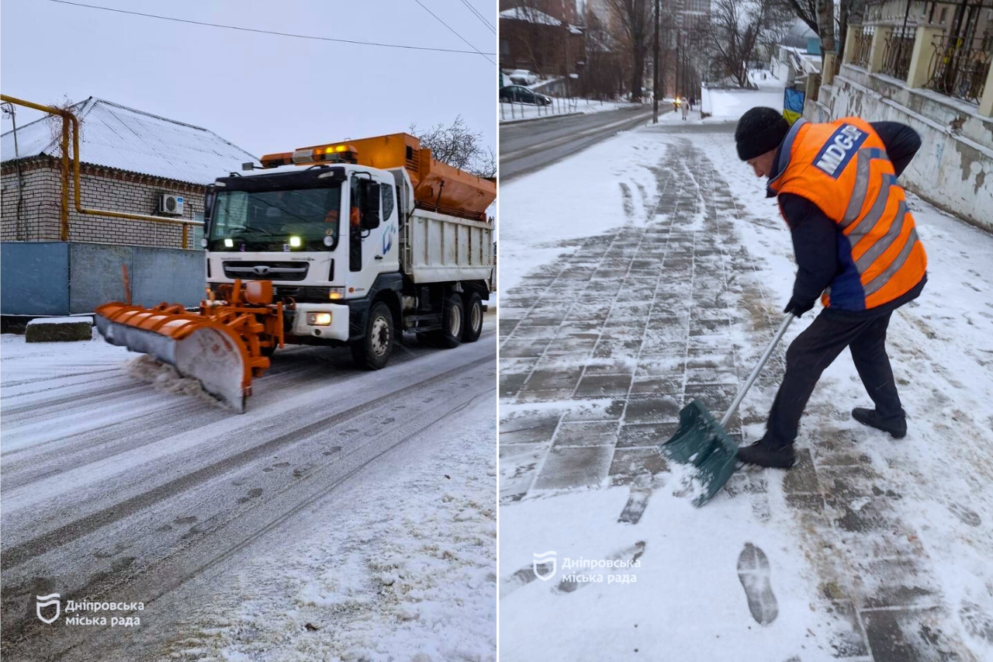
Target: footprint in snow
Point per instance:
(965, 515)
(977, 622)
(754, 573)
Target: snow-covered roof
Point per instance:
(115, 136)
(529, 15)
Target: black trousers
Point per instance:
(814, 350)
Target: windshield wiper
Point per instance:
(254, 230)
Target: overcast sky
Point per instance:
(264, 93)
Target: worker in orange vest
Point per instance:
(856, 248)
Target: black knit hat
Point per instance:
(760, 130)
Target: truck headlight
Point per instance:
(336, 292)
(319, 319)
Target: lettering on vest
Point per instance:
(839, 149)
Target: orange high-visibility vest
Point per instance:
(842, 167)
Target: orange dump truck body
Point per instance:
(437, 186)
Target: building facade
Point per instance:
(128, 160)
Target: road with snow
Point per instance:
(529, 146)
(114, 491)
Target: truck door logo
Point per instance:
(388, 239)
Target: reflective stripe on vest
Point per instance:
(842, 167)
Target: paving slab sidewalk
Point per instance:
(601, 349)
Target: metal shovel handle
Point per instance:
(758, 368)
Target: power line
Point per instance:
(454, 32)
(475, 51)
(475, 12)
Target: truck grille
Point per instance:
(303, 294)
(288, 271)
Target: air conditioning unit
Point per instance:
(171, 204)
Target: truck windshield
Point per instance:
(289, 220)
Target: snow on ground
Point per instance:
(515, 111)
(401, 565)
(873, 548)
(541, 214)
(732, 103)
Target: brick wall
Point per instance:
(102, 188)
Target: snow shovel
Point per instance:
(702, 441)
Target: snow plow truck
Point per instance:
(341, 244)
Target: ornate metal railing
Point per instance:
(863, 46)
(897, 51)
(959, 66)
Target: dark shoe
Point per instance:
(896, 426)
(764, 456)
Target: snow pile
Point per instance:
(84, 319)
(165, 379)
(730, 104)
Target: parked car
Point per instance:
(519, 94)
(523, 77)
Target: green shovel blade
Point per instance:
(702, 442)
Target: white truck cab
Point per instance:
(351, 251)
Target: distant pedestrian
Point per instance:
(856, 249)
(686, 109)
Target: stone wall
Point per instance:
(102, 188)
(954, 167)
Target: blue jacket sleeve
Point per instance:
(815, 244)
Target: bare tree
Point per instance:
(528, 34)
(825, 24)
(55, 125)
(738, 27)
(815, 14)
(636, 20)
(603, 66)
(458, 146)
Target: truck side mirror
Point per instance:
(208, 208)
(370, 205)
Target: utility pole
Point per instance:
(655, 83)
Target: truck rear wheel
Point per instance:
(473, 318)
(452, 322)
(373, 351)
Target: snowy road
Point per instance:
(658, 281)
(113, 491)
(529, 146)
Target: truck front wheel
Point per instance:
(373, 351)
(452, 322)
(473, 318)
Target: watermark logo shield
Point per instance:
(47, 601)
(543, 560)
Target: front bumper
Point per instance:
(337, 330)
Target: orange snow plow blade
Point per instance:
(221, 346)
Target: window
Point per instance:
(197, 231)
(387, 191)
(944, 13)
(504, 48)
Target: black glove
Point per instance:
(798, 308)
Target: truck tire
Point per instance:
(373, 351)
(473, 325)
(452, 322)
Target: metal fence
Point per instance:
(959, 66)
(897, 51)
(863, 47)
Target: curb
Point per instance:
(538, 119)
